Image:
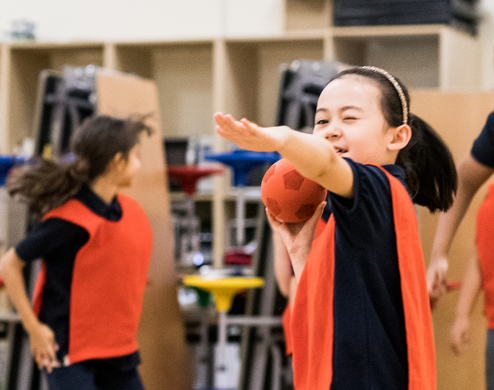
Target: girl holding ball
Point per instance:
(361, 316)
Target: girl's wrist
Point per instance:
(31, 323)
(285, 139)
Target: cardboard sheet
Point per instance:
(161, 335)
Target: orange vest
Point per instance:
(286, 318)
(108, 280)
(485, 252)
(312, 332)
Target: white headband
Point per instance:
(398, 88)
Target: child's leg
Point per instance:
(489, 360)
(74, 377)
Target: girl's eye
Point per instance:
(321, 122)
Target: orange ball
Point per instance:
(288, 195)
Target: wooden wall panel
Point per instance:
(459, 118)
(161, 335)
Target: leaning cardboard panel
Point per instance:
(161, 335)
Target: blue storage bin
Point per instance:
(6, 164)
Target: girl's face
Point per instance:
(349, 115)
(127, 168)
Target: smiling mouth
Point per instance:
(340, 151)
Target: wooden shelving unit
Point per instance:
(197, 77)
(240, 75)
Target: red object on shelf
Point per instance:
(188, 175)
(1, 283)
(237, 257)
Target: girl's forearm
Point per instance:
(470, 289)
(310, 155)
(298, 262)
(315, 158)
(11, 271)
(282, 264)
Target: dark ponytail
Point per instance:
(430, 172)
(48, 183)
(45, 184)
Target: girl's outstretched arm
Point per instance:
(314, 157)
(42, 338)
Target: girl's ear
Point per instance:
(401, 136)
(115, 161)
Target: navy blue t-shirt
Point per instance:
(370, 350)
(483, 146)
(57, 242)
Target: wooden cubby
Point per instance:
(183, 74)
(423, 57)
(306, 15)
(240, 75)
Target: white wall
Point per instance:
(486, 34)
(116, 20)
(112, 20)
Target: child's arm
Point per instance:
(471, 175)
(314, 157)
(42, 338)
(297, 238)
(282, 264)
(470, 289)
(283, 269)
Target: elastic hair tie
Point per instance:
(398, 88)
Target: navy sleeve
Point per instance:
(364, 217)
(483, 146)
(50, 239)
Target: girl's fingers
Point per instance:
(275, 224)
(47, 360)
(246, 122)
(219, 118)
(318, 213)
(224, 121)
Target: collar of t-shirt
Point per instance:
(396, 171)
(110, 211)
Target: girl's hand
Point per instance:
(297, 237)
(44, 347)
(436, 277)
(248, 135)
(460, 335)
